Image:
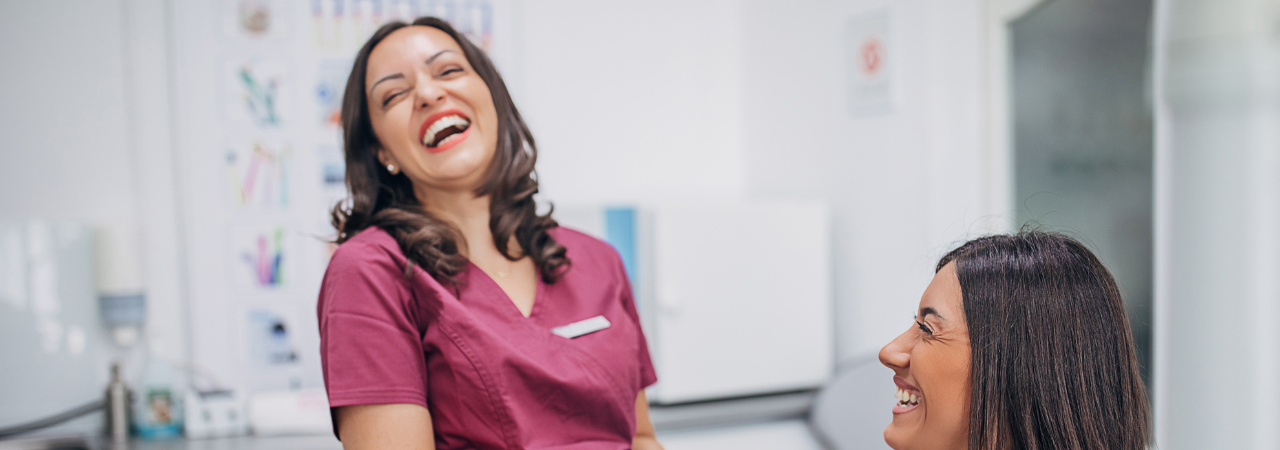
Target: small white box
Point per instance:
(214, 414)
(290, 413)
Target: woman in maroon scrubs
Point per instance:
(453, 316)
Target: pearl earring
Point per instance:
(391, 168)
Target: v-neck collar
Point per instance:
(473, 269)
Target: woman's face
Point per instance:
(930, 362)
(433, 115)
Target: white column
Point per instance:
(1217, 224)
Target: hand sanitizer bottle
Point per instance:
(157, 407)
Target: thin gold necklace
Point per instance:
(504, 274)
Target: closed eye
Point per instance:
(451, 70)
(924, 328)
(390, 97)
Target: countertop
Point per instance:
(785, 406)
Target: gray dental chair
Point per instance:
(852, 410)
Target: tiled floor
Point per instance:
(786, 435)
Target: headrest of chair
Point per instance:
(852, 410)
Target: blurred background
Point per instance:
(780, 178)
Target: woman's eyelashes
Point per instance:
(446, 72)
(393, 95)
(924, 328)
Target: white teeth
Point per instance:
(428, 138)
(906, 398)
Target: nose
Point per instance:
(897, 353)
(428, 91)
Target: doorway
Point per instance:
(1082, 137)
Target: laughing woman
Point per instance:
(1020, 342)
(440, 311)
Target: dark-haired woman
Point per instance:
(1020, 342)
(443, 312)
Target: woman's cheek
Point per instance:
(957, 397)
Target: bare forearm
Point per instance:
(398, 426)
(646, 438)
(645, 443)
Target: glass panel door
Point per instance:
(1081, 114)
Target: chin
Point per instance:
(899, 438)
(461, 163)
(892, 439)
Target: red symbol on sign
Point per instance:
(871, 56)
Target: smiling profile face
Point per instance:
(432, 113)
(931, 363)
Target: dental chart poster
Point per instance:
(259, 89)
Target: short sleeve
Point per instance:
(371, 347)
(648, 376)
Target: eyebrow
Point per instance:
(401, 76)
(929, 310)
(437, 55)
(386, 78)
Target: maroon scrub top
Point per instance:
(490, 377)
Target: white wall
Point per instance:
(65, 156)
(65, 123)
(905, 187)
(720, 99)
(633, 101)
(85, 121)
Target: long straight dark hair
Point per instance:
(381, 199)
(1053, 364)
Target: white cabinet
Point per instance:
(736, 297)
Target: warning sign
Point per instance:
(870, 60)
(871, 53)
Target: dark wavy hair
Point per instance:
(381, 199)
(1053, 364)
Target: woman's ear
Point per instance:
(387, 161)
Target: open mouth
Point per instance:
(443, 129)
(907, 398)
